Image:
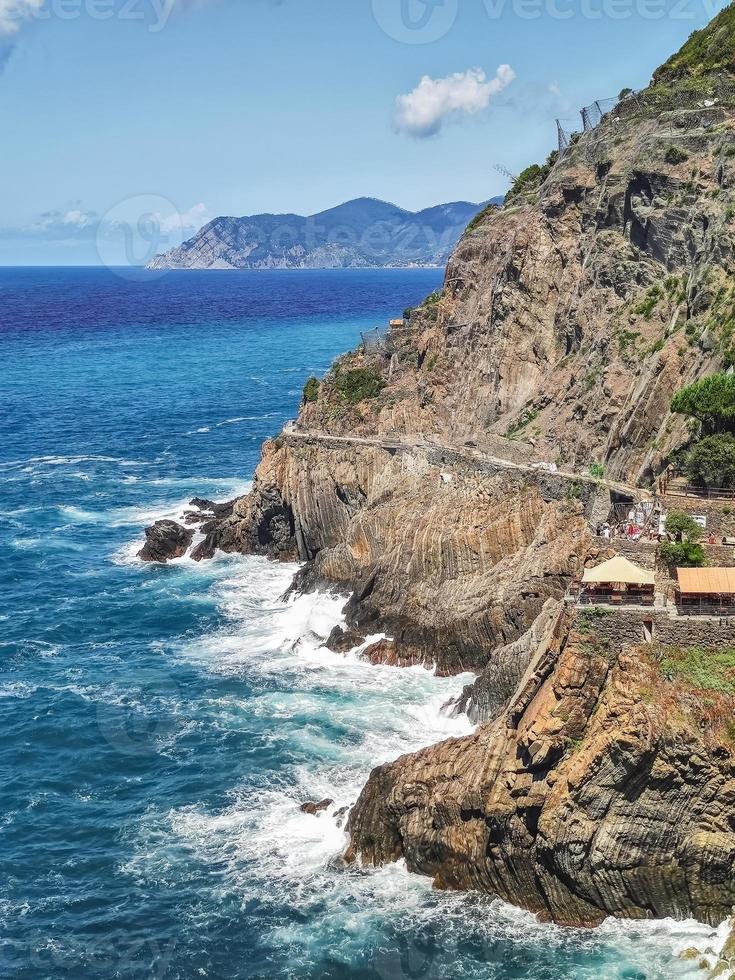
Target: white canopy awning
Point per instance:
(618, 570)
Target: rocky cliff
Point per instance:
(364, 233)
(441, 481)
(566, 321)
(606, 787)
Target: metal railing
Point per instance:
(704, 609)
(615, 598)
(710, 493)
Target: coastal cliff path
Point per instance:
(468, 454)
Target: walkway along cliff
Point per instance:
(419, 481)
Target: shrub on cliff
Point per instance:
(674, 155)
(704, 670)
(480, 217)
(311, 390)
(710, 400)
(711, 461)
(682, 554)
(360, 383)
(532, 177)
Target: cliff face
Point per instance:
(602, 789)
(448, 570)
(596, 783)
(569, 316)
(566, 321)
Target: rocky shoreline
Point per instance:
(597, 782)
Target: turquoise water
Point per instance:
(160, 726)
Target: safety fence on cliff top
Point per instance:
(657, 99)
(374, 339)
(592, 115)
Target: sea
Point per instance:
(161, 726)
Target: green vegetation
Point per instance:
(704, 670)
(587, 618)
(711, 401)
(527, 416)
(480, 217)
(360, 383)
(648, 305)
(681, 525)
(311, 390)
(659, 345)
(626, 339)
(407, 313)
(675, 154)
(597, 470)
(710, 50)
(682, 554)
(685, 552)
(432, 298)
(532, 177)
(711, 461)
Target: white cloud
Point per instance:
(14, 12)
(61, 224)
(434, 100)
(193, 219)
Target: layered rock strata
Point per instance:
(595, 784)
(602, 789)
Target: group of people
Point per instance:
(626, 529)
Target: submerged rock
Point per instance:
(165, 540)
(211, 508)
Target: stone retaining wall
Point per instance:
(720, 513)
(625, 627)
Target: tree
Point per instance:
(682, 526)
(682, 554)
(711, 401)
(711, 461)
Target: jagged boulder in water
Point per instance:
(165, 540)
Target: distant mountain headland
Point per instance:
(364, 233)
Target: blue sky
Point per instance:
(197, 108)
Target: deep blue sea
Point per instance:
(159, 726)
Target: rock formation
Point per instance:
(446, 480)
(165, 540)
(602, 789)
